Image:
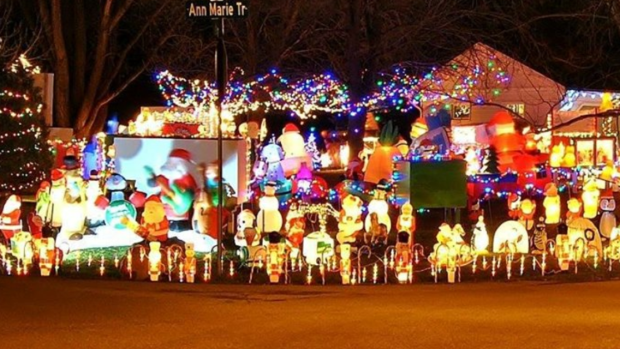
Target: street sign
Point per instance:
(216, 9)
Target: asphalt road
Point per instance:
(62, 313)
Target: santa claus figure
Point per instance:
(294, 150)
(154, 223)
(9, 219)
(177, 188)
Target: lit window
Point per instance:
(517, 108)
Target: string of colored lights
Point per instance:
(23, 115)
(303, 97)
(401, 90)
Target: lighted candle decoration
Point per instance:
(102, 266)
(129, 263)
(345, 264)
(309, 275)
(154, 260)
(375, 273)
(590, 198)
(552, 204)
(206, 276)
(231, 268)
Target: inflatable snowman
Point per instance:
(269, 217)
(294, 150)
(73, 212)
(379, 206)
(57, 194)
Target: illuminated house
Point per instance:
(527, 93)
(537, 99)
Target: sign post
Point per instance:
(219, 10)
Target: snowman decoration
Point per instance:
(608, 218)
(269, 218)
(379, 206)
(74, 212)
(95, 214)
(57, 195)
(294, 150)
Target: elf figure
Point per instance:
(10, 217)
(44, 205)
(177, 188)
(154, 223)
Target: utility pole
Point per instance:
(221, 72)
(219, 10)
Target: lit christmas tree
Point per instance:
(24, 153)
(491, 162)
(313, 151)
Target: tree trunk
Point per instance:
(357, 118)
(62, 103)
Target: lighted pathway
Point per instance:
(60, 313)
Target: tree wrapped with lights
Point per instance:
(313, 151)
(24, 153)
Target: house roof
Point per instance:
(480, 53)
